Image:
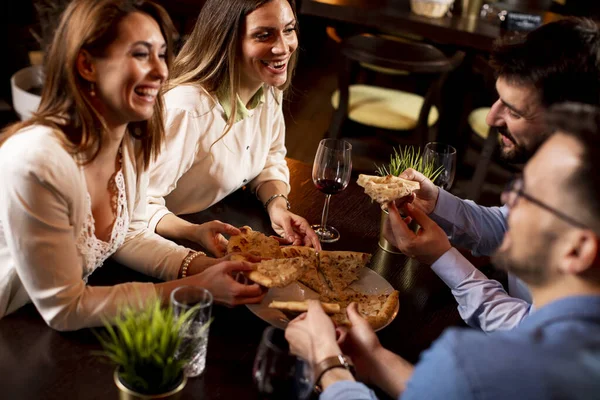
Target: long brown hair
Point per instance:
(210, 58)
(92, 25)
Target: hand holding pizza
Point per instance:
(210, 236)
(426, 196)
(293, 228)
(312, 335)
(360, 343)
(219, 280)
(427, 245)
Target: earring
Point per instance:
(92, 89)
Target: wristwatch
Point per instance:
(339, 361)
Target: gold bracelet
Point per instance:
(187, 260)
(287, 202)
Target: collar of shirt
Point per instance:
(575, 307)
(242, 111)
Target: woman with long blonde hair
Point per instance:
(73, 178)
(224, 121)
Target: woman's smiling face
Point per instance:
(131, 71)
(268, 41)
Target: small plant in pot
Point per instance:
(147, 349)
(404, 158)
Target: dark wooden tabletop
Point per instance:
(394, 16)
(37, 362)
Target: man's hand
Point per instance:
(210, 236)
(293, 228)
(361, 344)
(426, 197)
(312, 335)
(427, 245)
(219, 280)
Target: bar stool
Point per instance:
(391, 113)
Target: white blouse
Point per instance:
(199, 166)
(43, 210)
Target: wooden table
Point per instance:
(37, 362)
(394, 16)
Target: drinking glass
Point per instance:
(277, 373)
(445, 156)
(331, 174)
(194, 333)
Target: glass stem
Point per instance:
(325, 213)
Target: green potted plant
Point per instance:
(146, 347)
(402, 159)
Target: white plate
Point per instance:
(369, 282)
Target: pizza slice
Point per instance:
(377, 309)
(302, 306)
(312, 278)
(278, 272)
(255, 243)
(384, 189)
(341, 268)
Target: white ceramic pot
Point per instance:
(24, 102)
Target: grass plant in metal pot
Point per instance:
(404, 158)
(146, 346)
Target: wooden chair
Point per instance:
(391, 113)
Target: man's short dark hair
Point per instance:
(561, 59)
(582, 122)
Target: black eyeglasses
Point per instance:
(515, 189)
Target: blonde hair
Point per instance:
(210, 58)
(92, 25)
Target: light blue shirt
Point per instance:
(482, 303)
(553, 354)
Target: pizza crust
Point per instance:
(278, 272)
(302, 306)
(384, 189)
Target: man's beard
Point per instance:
(518, 154)
(534, 269)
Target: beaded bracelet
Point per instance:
(187, 260)
(276, 196)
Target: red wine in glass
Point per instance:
(331, 174)
(329, 186)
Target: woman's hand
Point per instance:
(219, 280)
(293, 228)
(210, 236)
(312, 335)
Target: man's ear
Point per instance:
(86, 66)
(583, 255)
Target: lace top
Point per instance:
(93, 250)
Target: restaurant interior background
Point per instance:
(309, 109)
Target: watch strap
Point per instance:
(339, 361)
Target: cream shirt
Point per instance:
(42, 211)
(197, 168)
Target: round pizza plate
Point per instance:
(369, 282)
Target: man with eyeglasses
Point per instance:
(557, 62)
(553, 244)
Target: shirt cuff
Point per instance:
(445, 207)
(347, 390)
(452, 267)
(156, 218)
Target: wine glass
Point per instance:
(277, 373)
(441, 155)
(331, 174)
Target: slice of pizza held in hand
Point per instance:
(278, 272)
(302, 306)
(384, 189)
(377, 309)
(255, 243)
